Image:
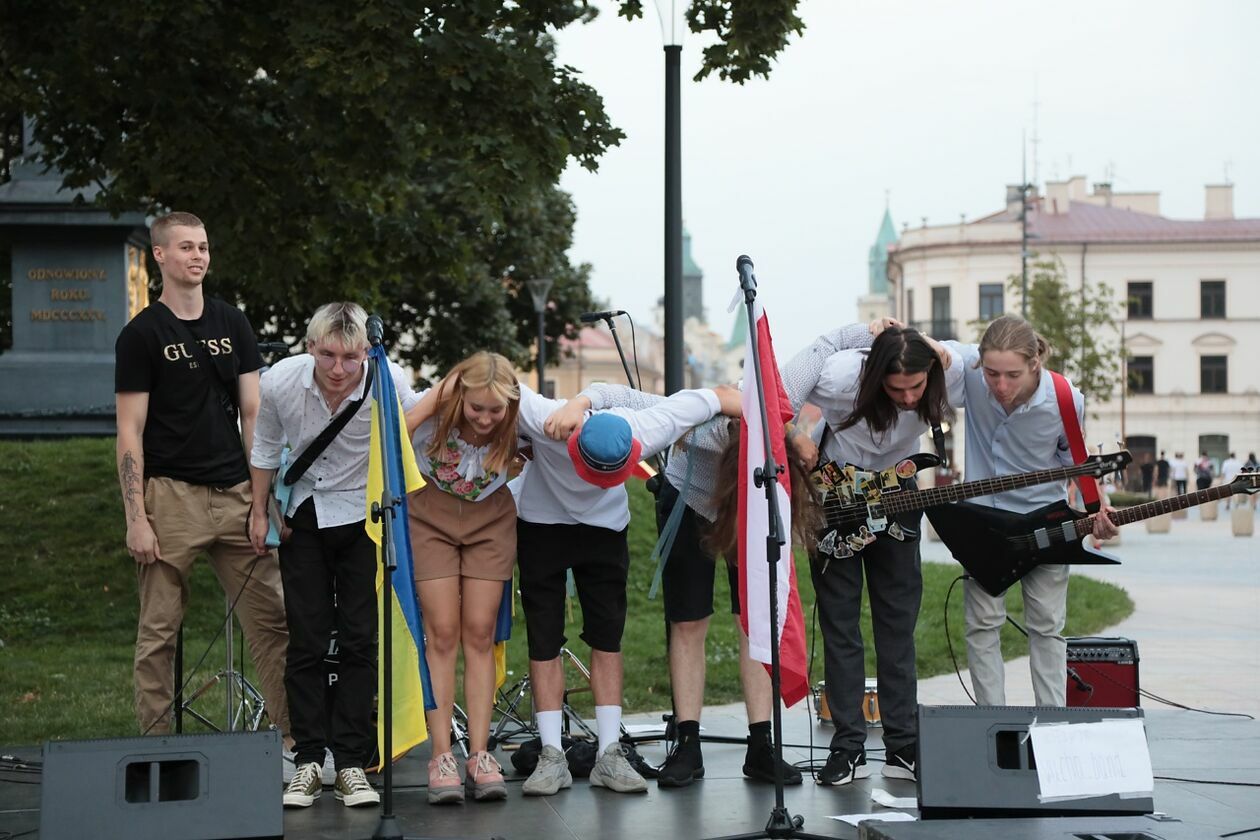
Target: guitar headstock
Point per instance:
(1248, 482)
(1109, 463)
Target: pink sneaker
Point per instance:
(445, 787)
(485, 777)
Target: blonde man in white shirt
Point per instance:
(1014, 426)
(328, 562)
(573, 514)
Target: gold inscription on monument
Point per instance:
(66, 274)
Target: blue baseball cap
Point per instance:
(604, 452)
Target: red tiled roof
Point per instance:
(592, 337)
(1090, 223)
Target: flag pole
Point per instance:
(782, 824)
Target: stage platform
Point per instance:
(1183, 744)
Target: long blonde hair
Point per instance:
(481, 370)
(1010, 332)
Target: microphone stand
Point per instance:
(383, 511)
(781, 824)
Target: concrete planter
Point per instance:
(1161, 524)
(1209, 511)
(1243, 521)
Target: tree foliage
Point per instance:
(401, 154)
(1079, 324)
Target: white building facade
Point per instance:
(1188, 294)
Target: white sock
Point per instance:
(549, 724)
(608, 724)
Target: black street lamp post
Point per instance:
(671, 32)
(538, 290)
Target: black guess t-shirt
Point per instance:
(188, 435)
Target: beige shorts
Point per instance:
(452, 536)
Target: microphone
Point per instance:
(375, 330)
(607, 314)
(747, 280)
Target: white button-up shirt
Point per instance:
(550, 492)
(1030, 438)
(835, 395)
(293, 412)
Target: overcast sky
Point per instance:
(923, 101)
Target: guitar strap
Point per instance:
(1076, 441)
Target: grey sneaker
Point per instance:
(304, 788)
(551, 774)
(613, 771)
(353, 788)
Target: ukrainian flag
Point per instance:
(412, 693)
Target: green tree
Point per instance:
(398, 153)
(1079, 323)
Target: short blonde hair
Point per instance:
(482, 369)
(162, 225)
(342, 321)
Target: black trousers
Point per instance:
(329, 577)
(895, 583)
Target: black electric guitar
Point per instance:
(998, 547)
(857, 505)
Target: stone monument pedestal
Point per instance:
(78, 276)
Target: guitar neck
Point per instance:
(921, 499)
(1137, 513)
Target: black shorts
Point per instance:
(688, 576)
(600, 561)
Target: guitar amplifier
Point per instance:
(1102, 672)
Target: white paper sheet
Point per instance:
(1078, 760)
(882, 816)
(883, 797)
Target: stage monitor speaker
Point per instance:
(977, 761)
(219, 786)
(1102, 672)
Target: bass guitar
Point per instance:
(857, 505)
(998, 547)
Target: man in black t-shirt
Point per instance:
(186, 368)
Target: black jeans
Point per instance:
(329, 577)
(895, 584)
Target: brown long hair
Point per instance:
(481, 370)
(898, 350)
(723, 536)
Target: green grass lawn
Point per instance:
(68, 606)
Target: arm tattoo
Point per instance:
(131, 483)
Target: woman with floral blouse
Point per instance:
(463, 539)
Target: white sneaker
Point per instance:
(304, 788)
(328, 774)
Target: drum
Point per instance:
(870, 703)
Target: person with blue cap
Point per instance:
(573, 513)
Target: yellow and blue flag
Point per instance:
(412, 692)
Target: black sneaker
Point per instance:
(759, 766)
(901, 764)
(683, 766)
(843, 766)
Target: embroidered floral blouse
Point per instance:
(458, 468)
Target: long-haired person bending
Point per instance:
(876, 405)
(1014, 426)
(463, 539)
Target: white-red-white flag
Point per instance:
(754, 524)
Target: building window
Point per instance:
(991, 301)
(1142, 375)
(942, 323)
(1141, 299)
(1212, 375)
(1212, 299)
(909, 306)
